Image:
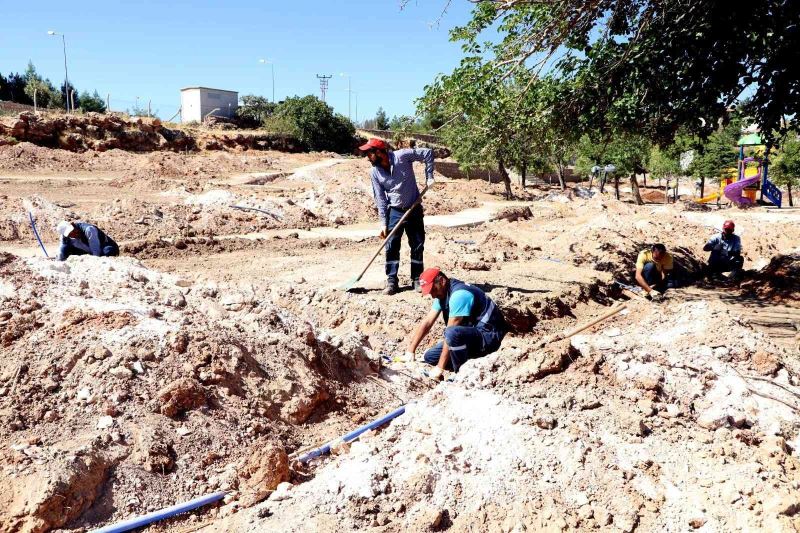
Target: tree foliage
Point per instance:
(12, 89)
(92, 103)
(785, 169)
(44, 91)
(20, 88)
(381, 121)
(316, 125)
(648, 66)
(489, 125)
(255, 110)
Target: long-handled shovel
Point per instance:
(36, 233)
(351, 283)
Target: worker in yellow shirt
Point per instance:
(653, 268)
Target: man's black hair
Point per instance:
(660, 247)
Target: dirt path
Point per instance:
(352, 232)
(261, 178)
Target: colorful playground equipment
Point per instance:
(741, 190)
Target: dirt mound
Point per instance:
(101, 132)
(165, 375)
(779, 280)
(599, 432)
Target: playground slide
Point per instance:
(709, 198)
(733, 192)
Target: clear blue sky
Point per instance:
(153, 48)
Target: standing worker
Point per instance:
(726, 252)
(653, 270)
(395, 188)
(81, 238)
(475, 326)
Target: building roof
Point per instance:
(209, 89)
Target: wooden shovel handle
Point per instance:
(394, 230)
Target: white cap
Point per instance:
(64, 228)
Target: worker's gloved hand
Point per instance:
(384, 232)
(436, 373)
(406, 357)
(429, 181)
(656, 296)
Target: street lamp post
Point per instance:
(272, 66)
(349, 92)
(66, 75)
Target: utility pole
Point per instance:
(349, 93)
(272, 66)
(323, 84)
(66, 75)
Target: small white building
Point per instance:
(198, 102)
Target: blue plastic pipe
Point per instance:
(155, 516)
(322, 450)
(33, 227)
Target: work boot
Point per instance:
(417, 286)
(391, 288)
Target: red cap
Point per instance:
(426, 279)
(728, 224)
(373, 144)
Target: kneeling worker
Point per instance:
(82, 238)
(726, 251)
(653, 268)
(474, 324)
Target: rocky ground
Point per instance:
(218, 347)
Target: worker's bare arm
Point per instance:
(422, 330)
(640, 280)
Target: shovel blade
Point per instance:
(349, 285)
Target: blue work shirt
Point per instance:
(398, 187)
(91, 239)
(723, 247)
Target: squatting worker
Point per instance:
(726, 251)
(475, 326)
(395, 189)
(81, 238)
(653, 269)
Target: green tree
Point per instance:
(141, 111)
(402, 123)
(648, 66)
(664, 163)
(255, 110)
(588, 154)
(381, 122)
(12, 89)
(432, 120)
(717, 154)
(92, 103)
(785, 169)
(316, 125)
(40, 89)
(490, 123)
(72, 94)
(629, 154)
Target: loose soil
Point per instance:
(218, 347)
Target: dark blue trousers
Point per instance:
(109, 250)
(725, 264)
(465, 342)
(414, 228)
(653, 277)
